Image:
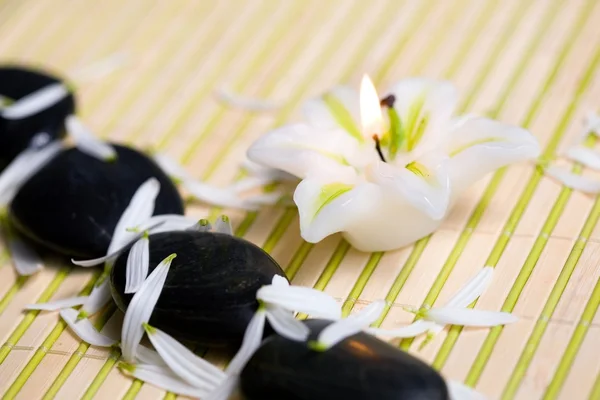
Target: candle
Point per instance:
(386, 182)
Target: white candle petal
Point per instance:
(284, 323)
(338, 108)
(184, 363)
(141, 307)
(25, 258)
(36, 102)
(301, 299)
(138, 263)
(57, 304)
(86, 141)
(469, 317)
(163, 378)
(574, 181)
(84, 329)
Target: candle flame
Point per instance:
(370, 109)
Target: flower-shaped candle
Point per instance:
(385, 183)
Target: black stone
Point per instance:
(15, 135)
(210, 293)
(361, 367)
(72, 205)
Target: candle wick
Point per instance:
(378, 147)
(388, 101)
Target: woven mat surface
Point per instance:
(532, 63)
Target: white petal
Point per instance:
(425, 184)
(472, 289)
(351, 325)
(480, 145)
(415, 329)
(163, 378)
(148, 356)
(225, 389)
(469, 317)
(86, 141)
(299, 149)
(25, 165)
(284, 323)
(301, 299)
(266, 199)
(245, 103)
(266, 173)
(185, 364)
(57, 304)
(99, 297)
(459, 391)
(36, 102)
(99, 69)
(138, 211)
(280, 281)
(584, 156)
(25, 258)
(138, 263)
(223, 225)
(167, 223)
(171, 167)
(574, 181)
(251, 342)
(339, 108)
(221, 197)
(250, 183)
(140, 308)
(201, 226)
(84, 329)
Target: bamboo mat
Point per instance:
(532, 63)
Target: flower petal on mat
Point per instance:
(185, 364)
(574, 181)
(245, 103)
(301, 299)
(86, 141)
(148, 356)
(216, 196)
(224, 390)
(351, 325)
(84, 329)
(460, 391)
(138, 263)
(284, 323)
(171, 167)
(585, 156)
(202, 225)
(223, 225)
(36, 102)
(99, 297)
(25, 258)
(250, 183)
(472, 289)
(250, 343)
(162, 378)
(469, 317)
(141, 307)
(58, 304)
(415, 329)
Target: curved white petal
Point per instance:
(284, 323)
(424, 107)
(574, 181)
(87, 142)
(36, 102)
(184, 363)
(301, 299)
(262, 172)
(469, 317)
(140, 308)
(138, 263)
(223, 225)
(339, 108)
(245, 103)
(351, 325)
(585, 156)
(148, 356)
(224, 390)
(480, 145)
(425, 184)
(251, 342)
(57, 304)
(25, 258)
(171, 167)
(163, 378)
(472, 289)
(99, 297)
(460, 391)
(299, 149)
(167, 222)
(222, 197)
(202, 225)
(415, 329)
(84, 329)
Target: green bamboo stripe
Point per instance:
(555, 295)
(91, 391)
(30, 315)
(526, 196)
(361, 282)
(14, 289)
(595, 393)
(566, 362)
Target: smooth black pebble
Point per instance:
(16, 134)
(209, 296)
(72, 205)
(361, 367)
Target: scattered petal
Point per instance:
(84, 329)
(460, 391)
(87, 142)
(148, 356)
(225, 389)
(574, 181)
(36, 102)
(202, 225)
(300, 299)
(245, 103)
(472, 289)
(163, 378)
(266, 173)
(216, 196)
(250, 343)
(167, 223)
(585, 156)
(99, 68)
(58, 304)
(250, 183)
(469, 317)
(99, 297)
(138, 263)
(185, 364)
(284, 323)
(140, 308)
(415, 329)
(223, 225)
(25, 258)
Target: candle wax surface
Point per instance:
(72, 205)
